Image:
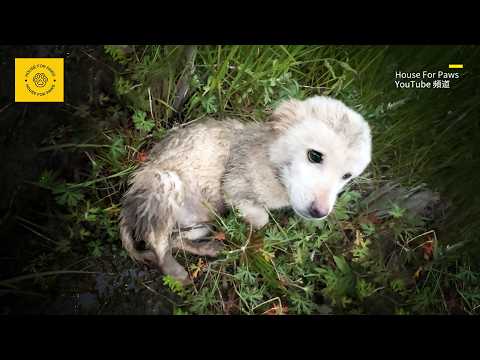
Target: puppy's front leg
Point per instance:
(254, 214)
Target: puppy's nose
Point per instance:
(317, 211)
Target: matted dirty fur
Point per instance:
(301, 157)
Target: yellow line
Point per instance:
(455, 66)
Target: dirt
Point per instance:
(130, 290)
(117, 286)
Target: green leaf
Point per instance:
(123, 86)
(330, 68)
(95, 248)
(117, 149)
(346, 66)
(141, 122)
(67, 196)
(179, 311)
(117, 53)
(47, 178)
(342, 264)
(173, 284)
(396, 211)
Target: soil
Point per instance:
(116, 285)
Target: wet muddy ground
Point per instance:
(130, 291)
(109, 284)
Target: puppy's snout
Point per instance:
(318, 211)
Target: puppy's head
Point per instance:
(320, 145)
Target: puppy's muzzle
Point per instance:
(318, 211)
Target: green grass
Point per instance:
(352, 263)
(428, 135)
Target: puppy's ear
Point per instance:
(286, 114)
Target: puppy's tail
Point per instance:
(148, 214)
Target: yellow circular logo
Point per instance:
(40, 79)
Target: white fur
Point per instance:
(328, 126)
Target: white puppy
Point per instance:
(301, 157)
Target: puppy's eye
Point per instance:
(346, 176)
(315, 156)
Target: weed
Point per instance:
(352, 259)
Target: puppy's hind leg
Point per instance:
(195, 232)
(190, 239)
(149, 212)
(146, 256)
(166, 261)
(207, 248)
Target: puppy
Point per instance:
(301, 157)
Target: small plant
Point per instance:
(123, 86)
(96, 248)
(364, 289)
(396, 212)
(361, 251)
(174, 285)
(117, 149)
(47, 179)
(141, 121)
(66, 195)
(117, 53)
(180, 311)
(339, 282)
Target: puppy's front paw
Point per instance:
(255, 215)
(258, 223)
